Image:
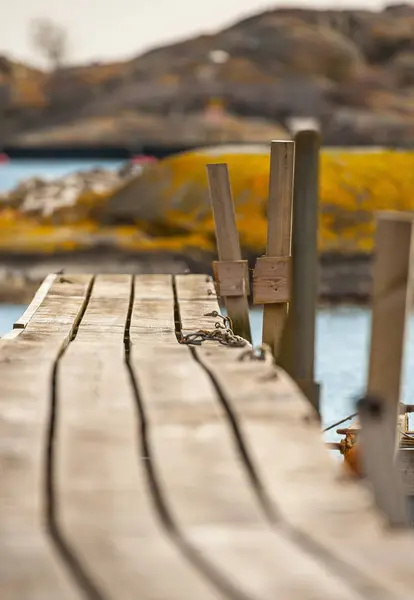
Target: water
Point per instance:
(9, 313)
(11, 173)
(342, 334)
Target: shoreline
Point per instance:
(343, 280)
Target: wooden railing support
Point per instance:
(231, 271)
(391, 298)
(297, 350)
(272, 272)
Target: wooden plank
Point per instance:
(203, 486)
(153, 309)
(232, 278)
(11, 335)
(107, 511)
(30, 566)
(279, 214)
(198, 294)
(35, 303)
(391, 302)
(391, 296)
(405, 463)
(297, 349)
(228, 245)
(47, 299)
(272, 280)
(332, 516)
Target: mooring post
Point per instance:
(391, 299)
(272, 272)
(297, 349)
(231, 272)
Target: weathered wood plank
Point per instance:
(297, 349)
(107, 513)
(392, 294)
(11, 335)
(153, 310)
(202, 484)
(35, 303)
(279, 215)
(280, 429)
(228, 249)
(30, 567)
(224, 489)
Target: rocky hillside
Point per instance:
(353, 70)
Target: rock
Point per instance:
(363, 127)
(74, 194)
(402, 68)
(286, 45)
(190, 128)
(279, 64)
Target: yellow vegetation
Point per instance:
(169, 208)
(353, 186)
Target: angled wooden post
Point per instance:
(297, 349)
(231, 272)
(379, 412)
(272, 272)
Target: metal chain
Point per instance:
(262, 352)
(222, 333)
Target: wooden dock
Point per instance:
(135, 466)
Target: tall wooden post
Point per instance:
(297, 351)
(391, 299)
(231, 271)
(272, 272)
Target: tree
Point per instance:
(50, 40)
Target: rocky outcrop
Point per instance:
(68, 199)
(351, 69)
(160, 214)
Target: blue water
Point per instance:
(342, 334)
(9, 313)
(11, 173)
(341, 359)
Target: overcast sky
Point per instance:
(116, 29)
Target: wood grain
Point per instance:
(205, 491)
(228, 245)
(297, 347)
(331, 516)
(107, 512)
(35, 303)
(30, 567)
(391, 302)
(150, 469)
(279, 215)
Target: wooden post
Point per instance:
(297, 350)
(230, 269)
(274, 269)
(391, 299)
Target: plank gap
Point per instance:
(160, 502)
(73, 563)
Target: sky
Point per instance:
(119, 29)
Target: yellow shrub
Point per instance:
(353, 186)
(168, 205)
(172, 196)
